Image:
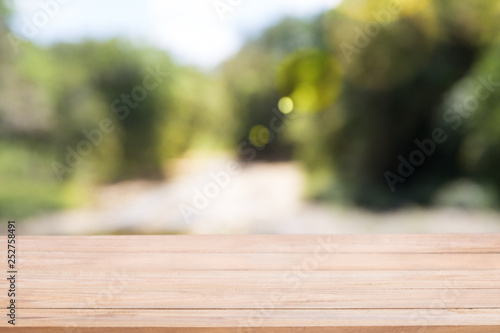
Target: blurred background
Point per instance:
(226, 116)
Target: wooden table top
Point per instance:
(255, 283)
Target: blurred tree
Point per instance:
(200, 116)
(159, 110)
(28, 184)
(123, 87)
(250, 80)
(473, 110)
(5, 12)
(129, 89)
(396, 73)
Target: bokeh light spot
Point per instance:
(306, 96)
(285, 105)
(259, 136)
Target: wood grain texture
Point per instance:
(161, 262)
(257, 283)
(415, 243)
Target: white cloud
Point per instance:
(192, 31)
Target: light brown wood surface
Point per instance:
(256, 283)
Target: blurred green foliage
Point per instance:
(363, 82)
(74, 115)
(400, 61)
(311, 78)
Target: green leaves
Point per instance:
(311, 78)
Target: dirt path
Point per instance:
(261, 198)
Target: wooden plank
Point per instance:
(160, 262)
(120, 297)
(228, 279)
(418, 243)
(232, 319)
(261, 283)
(309, 329)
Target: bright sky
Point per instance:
(191, 30)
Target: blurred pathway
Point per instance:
(262, 198)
